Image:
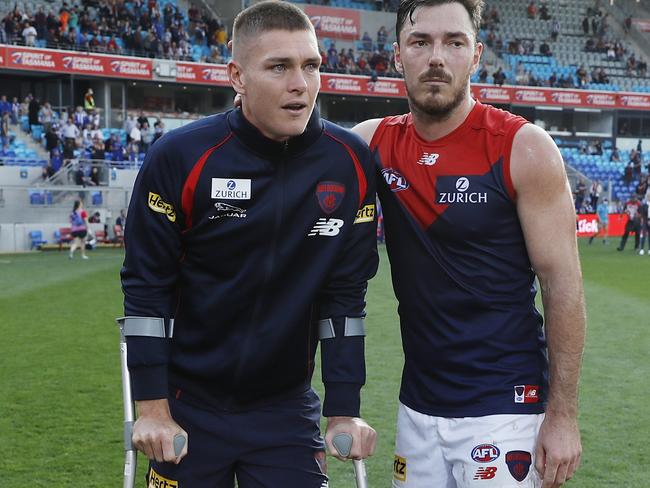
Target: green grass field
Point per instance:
(61, 411)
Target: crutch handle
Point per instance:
(179, 444)
(343, 444)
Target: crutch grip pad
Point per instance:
(343, 444)
(179, 444)
(128, 435)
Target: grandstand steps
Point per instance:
(30, 143)
(639, 39)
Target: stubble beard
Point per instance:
(437, 110)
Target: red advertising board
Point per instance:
(521, 95)
(337, 23)
(212, 74)
(587, 225)
(362, 85)
(50, 60)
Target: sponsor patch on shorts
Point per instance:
(518, 463)
(157, 481)
(485, 473)
(485, 453)
(399, 468)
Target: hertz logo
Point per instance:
(158, 205)
(365, 214)
(157, 481)
(399, 468)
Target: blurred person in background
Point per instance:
(633, 224)
(78, 229)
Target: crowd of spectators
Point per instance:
(372, 59)
(129, 27)
(636, 175)
(74, 133)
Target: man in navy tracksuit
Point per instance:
(252, 235)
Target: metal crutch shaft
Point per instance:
(130, 454)
(343, 444)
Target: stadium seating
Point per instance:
(119, 235)
(63, 236)
(36, 238)
(568, 50)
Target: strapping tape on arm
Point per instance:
(353, 327)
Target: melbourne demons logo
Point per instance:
(330, 195)
(518, 463)
(394, 180)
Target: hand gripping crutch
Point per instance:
(343, 444)
(130, 453)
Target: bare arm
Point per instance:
(547, 216)
(366, 129)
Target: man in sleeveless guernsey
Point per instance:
(476, 204)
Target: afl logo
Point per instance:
(17, 58)
(116, 66)
(462, 184)
(485, 453)
(231, 185)
(67, 62)
(396, 182)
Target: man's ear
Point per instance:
(398, 58)
(236, 76)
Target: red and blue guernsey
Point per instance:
(473, 340)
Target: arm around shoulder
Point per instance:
(366, 129)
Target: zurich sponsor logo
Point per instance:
(485, 453)
(394, 180)
(461, 195)
(231, 189)
(462, 184)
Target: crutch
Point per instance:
(343, 444)
(130, 453)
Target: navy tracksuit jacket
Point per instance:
(247, 243)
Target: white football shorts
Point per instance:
(469, 452)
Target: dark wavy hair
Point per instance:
(407, 7)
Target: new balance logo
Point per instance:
(326, 227)
(428, 159)
(486, 473)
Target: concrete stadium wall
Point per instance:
(15, 237)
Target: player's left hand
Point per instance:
(364, 437)
(558, 449)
